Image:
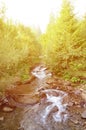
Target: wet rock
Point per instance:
(7, 109)
(55, 109)
(75, 121)
(29, 99)
(83, 94)
(67, 83)
(83, 104)
(84, 124)
(76, 103)
(2, 118)
(3, 101)
(70, 104)
(83, 115)
(77, 92)
(50, 82)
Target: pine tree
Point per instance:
(63, 40)
(63, 30)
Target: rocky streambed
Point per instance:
(44, 103)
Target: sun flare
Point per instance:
(36, 12)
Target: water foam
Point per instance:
(40, 72)
(56, 102)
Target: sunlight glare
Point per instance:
(37, 12)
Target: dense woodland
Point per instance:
(64, 44)
(62, 47)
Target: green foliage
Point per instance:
(75, 79)
(19, 50)
(64, 44)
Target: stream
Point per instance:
(43, 107)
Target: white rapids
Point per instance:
(56, 100)
(40, 72)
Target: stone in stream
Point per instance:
(7, 109)
(83, 115)
(75, 121)
(83, 94)
(83, 104)
(2, 118)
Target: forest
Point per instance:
(43, 75)
(62, 48)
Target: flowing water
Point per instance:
(55, 98)
(50, 113)
(52, 107)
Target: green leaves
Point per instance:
(64, 43)
(19, 49)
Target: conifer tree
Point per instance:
(63, 40)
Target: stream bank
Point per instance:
(45, 103)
